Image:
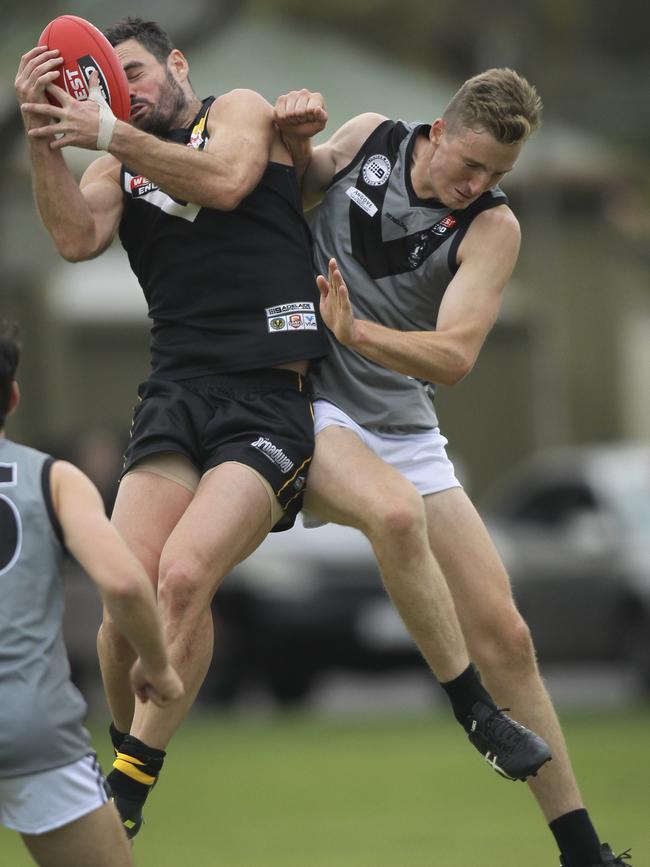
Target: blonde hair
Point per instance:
(499, 101)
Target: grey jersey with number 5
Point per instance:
(397, 254)
(41, 712)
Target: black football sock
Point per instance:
(116, 737)
(576, 839)
(464, 691)
(135, 769)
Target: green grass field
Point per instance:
(303, 791)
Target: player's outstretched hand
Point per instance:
(300, 113)
(161, 688)
(335, 306)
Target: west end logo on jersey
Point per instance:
(140, 186)
(294, 316)
(376, 170)
(445, 225)
(76, 81)
(196, 139)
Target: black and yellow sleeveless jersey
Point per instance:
(226, 290)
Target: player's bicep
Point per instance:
(471, 303)
(318, 176)
(103, 195)
(87, 533)
(335, 154)
(240, 128)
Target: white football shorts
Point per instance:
(420, 457)
(37, 803)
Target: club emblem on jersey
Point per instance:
(140, 186)
(376, 170)
(277, 324)
(196, 138)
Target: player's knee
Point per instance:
(181, 587)
(510, 646)
(112, 641)
(396, 520)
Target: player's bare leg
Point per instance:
(227, 519)
(348, 484)
(94, 840)
(497, 637)
(146, 511)
(500, 644)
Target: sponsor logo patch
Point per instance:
(140, 186)
(376, 170)
(273, 453)
(293, 316)
(445, 225)
(362, 200)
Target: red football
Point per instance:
(84, 48)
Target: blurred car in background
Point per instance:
(572, 526)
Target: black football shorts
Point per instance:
(261, 418)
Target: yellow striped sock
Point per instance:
(128, 766)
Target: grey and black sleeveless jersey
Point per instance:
(397, 254)
(41, 712)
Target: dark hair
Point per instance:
(498, 100)
(9, 358)
(148, 33)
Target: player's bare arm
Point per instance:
(60, 203)
(230, 166)
(297, 117)
(468, 311)
(102, 195)
(119, 577)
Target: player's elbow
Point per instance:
(124, 593)
(226, 189)
(220, 197)
(73, 249)
(458, 366)
(227, 195)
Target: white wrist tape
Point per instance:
(106, 119)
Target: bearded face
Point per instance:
(158, 118)
(158, 101)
